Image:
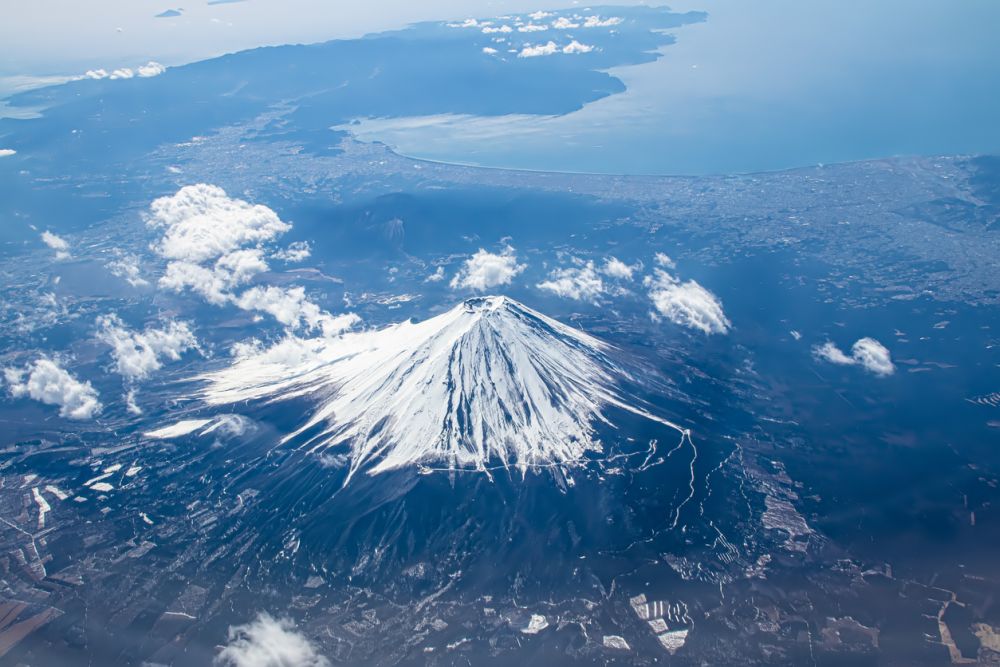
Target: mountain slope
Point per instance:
(489, 382)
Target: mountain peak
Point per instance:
(489, 382)
(488, 303)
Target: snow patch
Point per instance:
(177, 430)
(535, 625)
(43, 506)
(489, 381)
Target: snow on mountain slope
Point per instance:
(489, 381)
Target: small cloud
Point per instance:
(598, 22)
(205, 237)
(577, 47)
(127, 268)
(435, 277)
(46, 381)
(215, 243)
(131, 403)
(539, 15)
(485, 270)
(532, 27)
(6, 152)
(138, 354)
(291, 307)
(539, 50)
(57, 243)
(152, 68)
(298, 251)
(488, 50)
(581, 284)
(489, 30)
(686, 303)
(563, 23)
(288, 306)
(230, 426)
(215, 283)
(833, 354)
(615, 268)
(201, 222)
(269, 642)
(866, 352)
(662, 259)
(873, 356)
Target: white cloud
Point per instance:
(288, 306)
(297, 251)
(532, 27)
(539, 50)
(563, 23)
(200, 222)
(582, 284)
(687, 304)
(467, 23)
(230, 426)
(291, 307)
(214, 284)
(833, 354)
(598, 22)
(216, 243)
(485, 270)
(44, 380)
(269, 642)
(488, 50)
(6, 152)
(131, 404)
(289, 351)
(662, 259)
(127, 267)
(501, 29)
(138, 354)
(239, 266)
(577, 47)
(873, 356)
(152, 68)
(866, 352)
(57, 243)
(615, 268)
(435, 277)
(539, 15)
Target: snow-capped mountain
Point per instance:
(490, 382)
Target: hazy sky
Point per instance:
(48, 37)
(763, 84)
